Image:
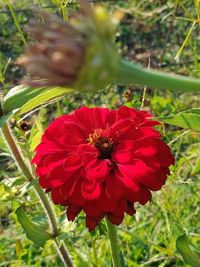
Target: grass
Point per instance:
(148, 238)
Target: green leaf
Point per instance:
(43, 98)
(15, 204)
(196, 168)
(18, 96)
(189, 256)
(33, 231)
(35, 141)
(42, 221)
(25, 99)
(189, 119)
(177, 229)
(35, 134)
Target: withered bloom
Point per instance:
(57, 55)
(73, 54)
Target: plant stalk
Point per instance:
(112, 234)
(62, 251)
(130, 73)
(11, 143)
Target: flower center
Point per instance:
(104, 144)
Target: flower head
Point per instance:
(102, 162)
(78, 54)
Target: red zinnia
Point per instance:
(102, 161)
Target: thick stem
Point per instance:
(112, 234)
(39, 191)
(130, 73)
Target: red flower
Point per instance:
(102, 161)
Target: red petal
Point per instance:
(57, 196)
(90, 190)
(101, 117)
(136, 169)
(144, 196)
(72, 164)
(91, 222)
(115, 219)
(86, 117)
(130, 209)
(97, 170)
(105, 203)
(72, 212)
(114, 187)
(91, 209)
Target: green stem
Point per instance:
(39, 191)
(130, 73)
(15, 152)
(112, 234)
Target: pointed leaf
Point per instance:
(44, 97)
(33, 231)
(189, 119)
(189, 256)
(25, 99)
(18, 96)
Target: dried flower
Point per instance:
(102, 162)
(74, 54)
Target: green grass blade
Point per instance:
(16, 22)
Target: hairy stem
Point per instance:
(11, 143)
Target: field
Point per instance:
(162, 35)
